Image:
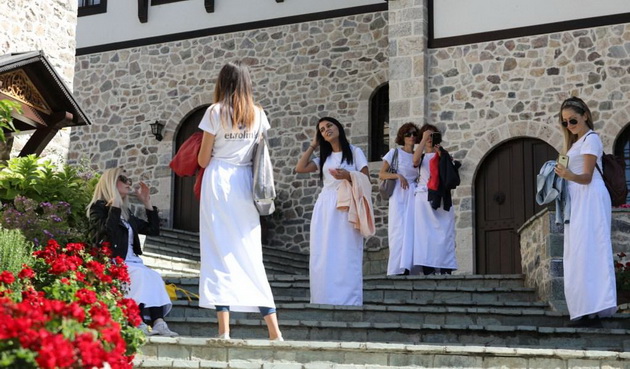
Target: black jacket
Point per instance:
(449, 179)
(106, 226)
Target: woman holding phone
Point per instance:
(336, 247)
(434, 229)
(589, 274)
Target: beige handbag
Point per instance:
(263, 188)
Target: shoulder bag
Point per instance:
(386, 186)
(263, 187)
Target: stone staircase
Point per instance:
(463, 321)
(176, 253)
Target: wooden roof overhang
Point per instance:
(47, 103)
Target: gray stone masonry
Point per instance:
(482, 95)
(301, 72)
(542, 252)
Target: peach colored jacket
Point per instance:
(356, 199)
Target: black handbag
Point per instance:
(386, 186)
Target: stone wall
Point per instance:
(301, 72)
(49, 26)
(481, 95)
(542, 252)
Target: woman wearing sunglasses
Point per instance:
(400, 215)
(111, 221)
(589, 275)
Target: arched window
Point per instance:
(622, 149)
(379, 123)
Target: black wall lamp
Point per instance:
(156, 130)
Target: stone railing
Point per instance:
(542, 252)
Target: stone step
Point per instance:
(474, 280)
(378, 292)
(412, 333)
(427, 314)
(184, 244)
(187, 352)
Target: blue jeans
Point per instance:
(264, 311)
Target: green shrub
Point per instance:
(45, 184)
(15, 250)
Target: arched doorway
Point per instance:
(185, 205)
(505, 190)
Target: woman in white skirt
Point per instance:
(401, 203)
(232, 275)
(336, 247)
(434, 229)
(112, 222)
(589, 274)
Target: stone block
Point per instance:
(457, 361)
(505, 363)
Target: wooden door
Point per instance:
(185, 204)
(505, 190)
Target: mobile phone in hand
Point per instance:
(436, 138)
(563, 160)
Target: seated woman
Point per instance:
(112, 222)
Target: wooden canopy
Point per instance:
(47, 103)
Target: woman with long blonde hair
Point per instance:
(589, 274)
(112, 222)
(232, 275)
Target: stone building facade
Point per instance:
(301, 72)
(484, 94)
(481, 95)
(49, 26)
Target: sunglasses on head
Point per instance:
(411, 134)
(125, 180)
(571, 122)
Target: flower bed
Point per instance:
(68, 311)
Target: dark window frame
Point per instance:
(379, 116)
(622, 149)
(92, 9)
(162, 2)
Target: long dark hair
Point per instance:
(325, 148)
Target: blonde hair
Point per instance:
(579, 107)
(233, 91)
(106, 189)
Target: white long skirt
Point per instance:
(147, 287)
(232, 271)
(589, 272)
(400, 228)
(336, 260)
(434, 235)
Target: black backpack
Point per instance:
(614, 175)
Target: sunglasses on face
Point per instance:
(571, 122)
(125, 180)
(411, 134)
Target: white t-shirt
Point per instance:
(334, 162)
(230, 145)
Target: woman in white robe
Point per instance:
(589, 274)
(336, 247)
(433, 248)
(401, 203)
(232, 274)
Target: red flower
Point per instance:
(26, 273)
(75, 247)
(85, 296)
(7, 277)
(55, 352)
